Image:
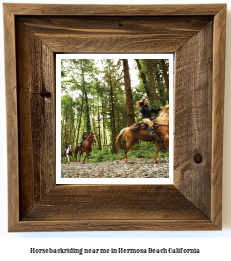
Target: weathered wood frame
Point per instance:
(33, 34)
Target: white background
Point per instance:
(213, 245)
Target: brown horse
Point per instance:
(86, 147)
(133, 137)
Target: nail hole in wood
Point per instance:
(120, 24)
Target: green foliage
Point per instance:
(144, 152)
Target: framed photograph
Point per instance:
(35, 35)
(94, 94)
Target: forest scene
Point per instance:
(100, 96)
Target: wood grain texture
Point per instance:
(191, 203)
(193, 113)
(114, 10)
(35, 66)
(11, 117)
(115, 34)
(218, 114)
(114, 207)
(113, 202)
(114, 225)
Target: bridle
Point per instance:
(91, 137)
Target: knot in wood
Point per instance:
(198, 158)
(45, 94)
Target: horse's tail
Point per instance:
(120, 137)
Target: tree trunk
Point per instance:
(161, 92)
(99, 136)
(71, 124)
(128, 91)
(104, 132)
(145, 83)
(86, 103)
(151, 79)
(80, 117)
(165, 73)
(112, 118)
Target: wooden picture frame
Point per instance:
(34, 33)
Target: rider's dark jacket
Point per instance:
(147, 111)
(84, 136)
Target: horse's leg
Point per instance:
(87, 156)
(80, 154)
(129, 144)
(158, 147)
(84, 159)
(84, 156)
(166, 140)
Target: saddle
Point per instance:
(79, 144)
(142, 126)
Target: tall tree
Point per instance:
(165, 73)
(163, 94)
(128, 91)
(151, 80)
(79, 75)
(99, 130)
(86, 105)
(115, 98)
(143, 72)
(67, 119)
(79, 120)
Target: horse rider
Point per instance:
(66, 147)
(146, 112)
(84, 136)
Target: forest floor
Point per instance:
(137, 168)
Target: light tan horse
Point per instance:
(133, 137)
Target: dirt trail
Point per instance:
(137, 168)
